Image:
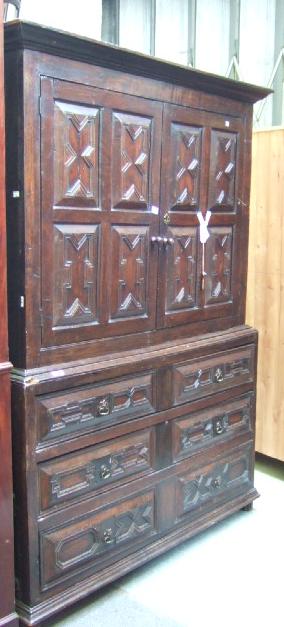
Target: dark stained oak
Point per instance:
(101, 206)
(7, 585)
(203, 429)
(194, 490)
(133, 388)
(35, 37)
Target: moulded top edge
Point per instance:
(21, 35)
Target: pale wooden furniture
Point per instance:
(265, 295)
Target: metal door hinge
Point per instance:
(41, 317)
(39, 105)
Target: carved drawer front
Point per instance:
(91, 469)
(85, 542)
(198, 378)
(95, 406)
(220, 480)
(208, 427)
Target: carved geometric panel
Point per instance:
(214, 481)
(129, 284)
(80, 543)
(76, 155)
(203, 428)
(75, 259)
(71, 476)
(96, 406)
(218, 265)
(196, 379)
(181, 272)
(222, 171)
(131, 161)
(185, 159)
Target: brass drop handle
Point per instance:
(168, 241)
(108, 537)
(103, 407)
(165, 241)
(219, 427)
(219, 377)
(216, 483)
(105, 472)
(156, 239)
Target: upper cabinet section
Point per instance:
(112, 159)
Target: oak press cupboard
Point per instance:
(134, 374)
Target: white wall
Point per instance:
(212, 35)
(257, 26)
(135, 25)
(83, 17)
(172, 30)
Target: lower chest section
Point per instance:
(126, 464)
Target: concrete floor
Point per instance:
(228, 576)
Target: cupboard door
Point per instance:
(100, 194)
(201, 170)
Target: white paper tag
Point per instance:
(57, 373)
(155, 210)
(204, 233)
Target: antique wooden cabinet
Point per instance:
(134, 378)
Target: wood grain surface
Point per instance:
(265, 295)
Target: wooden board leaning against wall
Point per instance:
(265, 290)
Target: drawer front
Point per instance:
(220, 480)
(207, 427)
(87, 542)
(198, 378)
(91, 469)
(94, 407)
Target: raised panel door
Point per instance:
(181, 269)
(76, 147)
(130, 264)
(223, 165)
(218, 265)
(100, 194)
(131, 161)
(75, 270)
(201, 171)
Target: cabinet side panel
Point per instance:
(7, 594)
(15, 207)
(244, 202)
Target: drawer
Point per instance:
(71, 476)
(99, 536)
(196, 431)
(92, 407)
(201, 377)
(217, 481)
